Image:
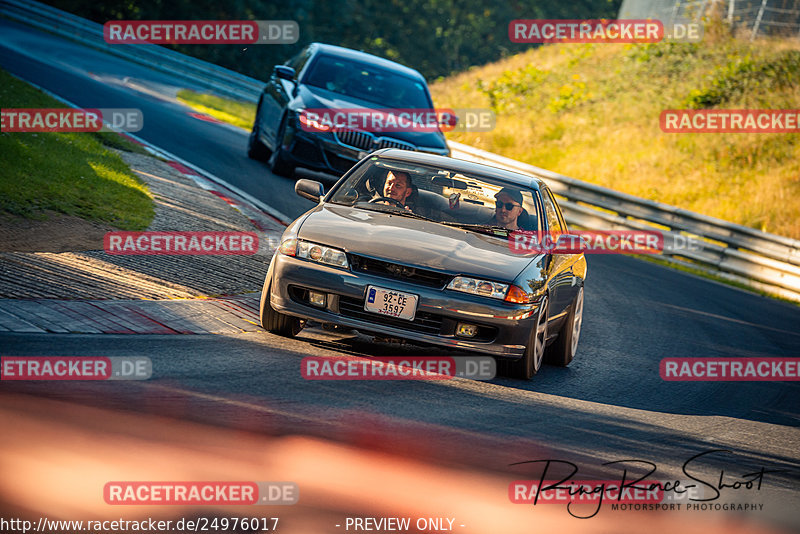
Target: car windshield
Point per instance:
(359, 80)
(475, 203)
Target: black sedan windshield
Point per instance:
(358, 80)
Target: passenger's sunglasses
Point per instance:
(508, 206)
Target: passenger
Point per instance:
(508, 209)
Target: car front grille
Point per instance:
(362, 140)
(393, 143)
(424, 322)
(396, 271)
(368, 141)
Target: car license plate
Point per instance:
(391, 303)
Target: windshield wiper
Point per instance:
(395, 210)
(488, 229)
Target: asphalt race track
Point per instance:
(611, 403)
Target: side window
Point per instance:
(551, 212)
(558, 210)
(299, 61)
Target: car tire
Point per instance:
(274, 321)
(530, 363)
(563, 349)
(256, 149)
(279, 163)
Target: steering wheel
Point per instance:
(388, 199)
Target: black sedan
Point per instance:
(417, 246)
(335, 79)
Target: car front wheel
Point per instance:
(531, 361)
(274, 321)
(563, 349)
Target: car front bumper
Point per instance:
(326, 152)
(504, 328)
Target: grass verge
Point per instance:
(238, 113)
(71, 173)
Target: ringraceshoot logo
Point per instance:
(201, 32)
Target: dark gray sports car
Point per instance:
(416, 246)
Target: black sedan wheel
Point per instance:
(279, 163)
(255, 148)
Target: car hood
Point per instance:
(413, 242)
(317, 98)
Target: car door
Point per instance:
(563, 284)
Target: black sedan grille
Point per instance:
(368, 141)
(396, 271)
(362, 140)
(424, 322)
(392, 143)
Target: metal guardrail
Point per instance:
(203, 74)
(765, 261)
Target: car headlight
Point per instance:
(312, 122)
(484, 288)
(314, 252)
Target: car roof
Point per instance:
(369, 59)
(461, 166)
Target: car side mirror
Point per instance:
(310, 189)
(285, 73)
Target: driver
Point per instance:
(398, 186)
(400, 191)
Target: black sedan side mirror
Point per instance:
(284, 72)
(310, 189)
